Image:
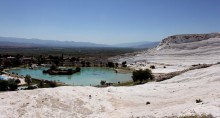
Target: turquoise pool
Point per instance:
(87, 76)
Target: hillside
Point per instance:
(19, 42)
(189, 41)
(173, 97)
(142, 44)
(183, 50)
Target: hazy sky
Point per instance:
(107, 21)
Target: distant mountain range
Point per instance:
(19, 42)
(12, 42)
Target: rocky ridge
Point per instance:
(185, 39)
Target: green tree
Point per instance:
(41, 84)
(7, 63)
(152, 66)
(16, 62)
(78, 69)
(103, 82)
(88, 64)
(124, 64)
(28, 79)
(53, 67)
(73, 59)
(78, 59)
(3, 85)
(1, 69)
(62, 57)
(69, 71)
(111, 64)
(56, 61)
(12, 84)
(0, 61)
(83, 63)
(53, 84)
(116, 65)
(17, 81)
(140, 75)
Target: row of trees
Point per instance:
(54, 70)
(57, 60)
(111, 64)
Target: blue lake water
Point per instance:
(87, 76)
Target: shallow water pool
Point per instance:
(87, 76)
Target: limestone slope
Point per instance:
(173, 97)
(183, 50)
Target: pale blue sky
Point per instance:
(107, 21)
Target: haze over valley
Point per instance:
(28, 43)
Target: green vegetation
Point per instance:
(53, 84)
(128, 83)
(78, 69)
(8, 85)
(56, 71)
(141, 75)
(17, 81)
(110, 64)
(28, 79)
(77, 52)
(53, 67)
(124, 64)
(71, 57)
(3, 85)
(41, 84)
(45, 83)
(12, 84)
(103, 82)
(152, 67)
(74, 57)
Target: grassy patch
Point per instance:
(131, 83)
(45, 85)
(128, 83)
